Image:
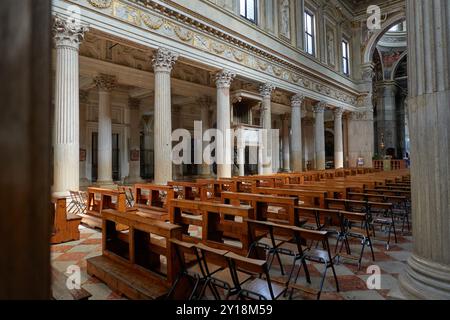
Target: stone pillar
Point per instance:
(338, 139)
(105, 83)
(66, 143)
(266, 123)
(286, 150)
(204, 110)
(360, 137)
(84, 105)
(223, 148)
(163, 62)
(427, 275)
(177, 123)
(135, 142)
(308, 142)
(386, 121)
(275, 134)
(296, 128)
(319, 110)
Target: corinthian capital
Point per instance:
(164, 59)
(266, 90)
(320, 107)
(105, 82)
(68, 33)
(224, 78)
(338, 112)
(297, 100)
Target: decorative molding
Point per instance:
(157, 18)
(68, 33)
(101, 4)
(105, 82)
(164, 60)
(224, 78)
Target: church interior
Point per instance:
(225, 150)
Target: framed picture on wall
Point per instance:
(82, 154)
(134, 155)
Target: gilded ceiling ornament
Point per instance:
(101, 4)
(152, 22)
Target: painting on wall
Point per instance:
(134, 155)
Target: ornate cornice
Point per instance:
(224, 78)
(297, 100)
(191, 30)
(164, 59)
(105, 82)
(68, 32)
(266, 90)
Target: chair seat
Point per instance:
(261, 287)
(317, 254)
(195, 269)
(224, 275)
(292, 247)
(268, 242)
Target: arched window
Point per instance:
(248, 9)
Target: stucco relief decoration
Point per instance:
(263, 65)
(152, 22)
(183, 34)
(331, 47)
(126, 13)
(218, 47)
(201, 42)
(101, 4)
(238, 55)
(285, 19)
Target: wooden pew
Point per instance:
(65, 225)
(306, 197)
(131, 260)
(99, 199)
(261, 203)
(212, 189)
(212, 218)
(188, 190)
(153, 200)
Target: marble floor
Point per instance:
(351, 281)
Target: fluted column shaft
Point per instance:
(105, 83)
(428, 273)
(206, 169)
(66, 144)
(338, 139)
(135, 143)
(162, 64)
(296, 128)
(266, 121)
(286, 150)
(319, 111)
(223, 148)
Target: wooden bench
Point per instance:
(153, 200)
(212, 189)
(214, 219)
(188, 190)
(131, 260)
(99, 199)
(65, 225)
(306, 197)
(261, 203)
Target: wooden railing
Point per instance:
(387, 165)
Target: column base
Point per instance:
(133, 180)
(61, 194)
(426, 280)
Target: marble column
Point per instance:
(308, 142)
(177, 123)
(204, 110)
(427, 275)
(66, 143)
(275, 135)
(286, 150)
(105, 84)
(84, 105)
(266, 123)
(223, 148)
(338, 139)
(135, 142)
(163, 62)
(386, 121)
(319, 110)
(296, 128)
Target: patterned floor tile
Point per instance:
(362, 295)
